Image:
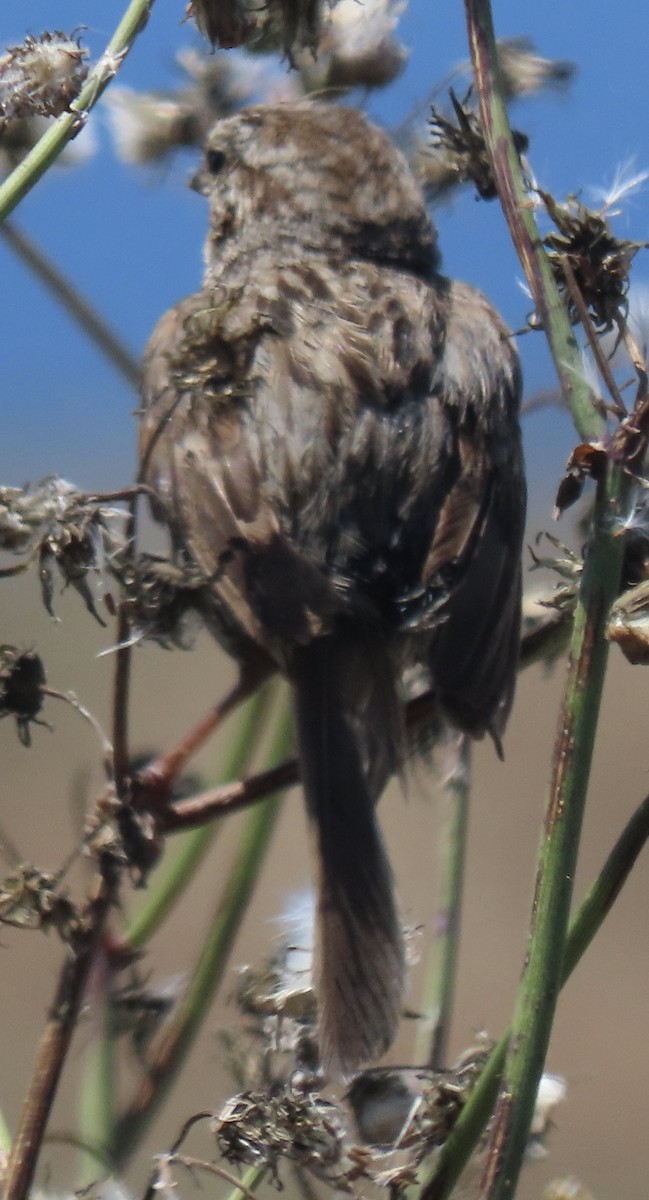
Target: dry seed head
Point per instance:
(599, 261)
(41, 76)
(525, 72)
(358, 48)
(289, 25)
(457, 152)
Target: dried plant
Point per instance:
(40, 77)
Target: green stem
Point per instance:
(5, 1136)
(97, 1095)
(515, 202)
(454, 1155)
(557, 860)
(251, 1180)
(172, 878)
(439, 986)
(70, 123)
(543, 972)
(181, 1032)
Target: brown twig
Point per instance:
(187, 814)
(57, 1036)
(201, 1164)
(550, 636)
(153, 785)
(121, 690)
(124, 654)
(71, 699)
(618, 406)
(638, 359)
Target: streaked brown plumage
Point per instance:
(331, 431)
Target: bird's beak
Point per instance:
(199, 181)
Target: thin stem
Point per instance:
(455, 1153)
(194, 1165)
(518, 213)
(97, 1093)
(71, 699)
(439, 987)
(121, 693)
(56, 1038)
(251, 1180)
(181, 1032)
(547, 641)
(241, 1191)
(171, 880)
(594, 342)
(541, 979)
(187, 814)
(5, 1137)
(160, 775)
(69, 124)
(75, 304)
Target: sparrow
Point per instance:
(330, 429)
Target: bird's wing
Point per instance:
(480, 529)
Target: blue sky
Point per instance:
(132, 239)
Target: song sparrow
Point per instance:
(331, 430)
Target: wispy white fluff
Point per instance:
(626, 182)
(552, 1091)
(297, 925)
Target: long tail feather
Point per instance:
(348, 745)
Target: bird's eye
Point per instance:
(215, 160)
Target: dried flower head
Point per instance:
(41, 76)
(288, 25)
(629, 624)
(30, 899)
(264, 1127)
(567, 565)
(358, 48)
(164, 602)
(124, 835)
(225, 23)
(585, 254)
(148, 126)
(457, 152)
(22, 679)
(525, 72)
(279, 1003)
(56, 525)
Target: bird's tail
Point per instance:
(348, 737)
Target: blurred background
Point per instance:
(130, 239)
